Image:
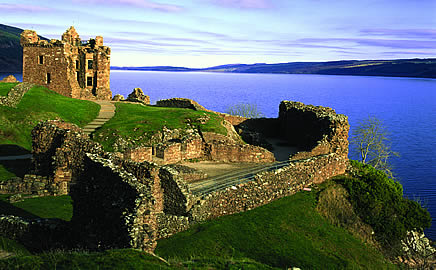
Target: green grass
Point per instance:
(40, 104)
(45, 207)
(13, 168)
(5, 88)
(138, 123)
(288, 232)
(13, 247)
(5, 174)
(119, 259)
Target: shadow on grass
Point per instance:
(12, 150)
(9, 209)
(18, 167)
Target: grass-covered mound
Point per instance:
(287, 232)
(136, 124)
(43, 207)
(39, 104)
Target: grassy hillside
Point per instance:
(40, 104)
(285, 233)
(11, 53)
(136, 124)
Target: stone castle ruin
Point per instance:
(71, 67)
(120, 203)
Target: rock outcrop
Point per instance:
(138, 96)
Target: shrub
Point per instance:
(245, 110)
(379, 202)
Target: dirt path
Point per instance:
(107, 111)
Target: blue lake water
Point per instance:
(407, 107)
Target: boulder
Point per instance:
(138, 96)
(118, 97)
(9, 79)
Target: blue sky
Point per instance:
(202, 33)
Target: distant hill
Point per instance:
(11, 52)
(422, 68)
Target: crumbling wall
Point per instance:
(269, 186)
(180, 103)
(139, 154)
(35, 185)
(225, 152)
(15, 95)
(58, 150)
(318, 130)
(115, 203)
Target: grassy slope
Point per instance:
(5, 87)
(45, 207)
(284, 233)
(288, 232)
(133, 120)
(37, 105)
(119, 259)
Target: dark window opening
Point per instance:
(89, 81)
(77, 64)
(77, 76)
(48, 78)
(90, 64)
(41, 59)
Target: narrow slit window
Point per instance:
(77, 76)
(41, 59)
(77, 64)
(89, 81)
(48, 78)
(90, 63)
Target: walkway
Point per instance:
(229, 179)
(107, 111)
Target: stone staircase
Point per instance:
(107, 111)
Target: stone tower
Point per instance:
(71, 67)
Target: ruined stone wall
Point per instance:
(116, 202)
(180, 103)
(268, 186)
(33, 184)
(319, 130)
(15, 95)
(58, 150)
(225, 152)
(139, 154)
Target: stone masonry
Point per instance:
(71, 67)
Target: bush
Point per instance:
(379, 202)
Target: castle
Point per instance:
(71, 67)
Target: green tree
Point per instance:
(245, 110)
(372, 144)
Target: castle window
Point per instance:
(90, 62)
(48, 78)
(77, 76)
(41, 59)
(89, 81)
(77, 64)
